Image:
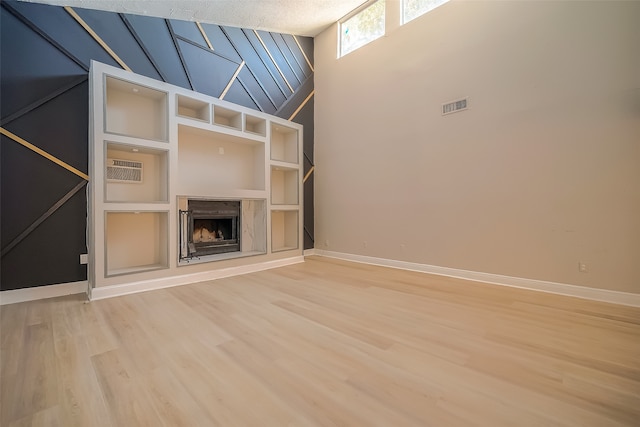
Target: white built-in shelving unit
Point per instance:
(153, 147)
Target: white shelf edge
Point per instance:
(221, 129)
(195, 119)
(135, 269)
(132, 140)
(228, 194)
(285, 248)
(153, 203)
(284, 207)
(165, 207)
(284, 165)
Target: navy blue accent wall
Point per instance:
(44, 58)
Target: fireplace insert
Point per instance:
(209, 227)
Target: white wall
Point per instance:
(543, 170)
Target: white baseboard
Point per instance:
(52, 291)
(42, 292)
(166, 282)
(603, 295)
(309, 252)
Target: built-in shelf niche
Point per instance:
(135, 110)
(284, 143)
(193, 108)
(210, 161)
(135, 174)
(284, 230)
(256, 125)
(225, 117)
(284, 186)
(135, 242)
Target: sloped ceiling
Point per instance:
(299, 17)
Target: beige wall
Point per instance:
(543, 170)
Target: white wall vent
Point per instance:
(124, 171)
(455, 106)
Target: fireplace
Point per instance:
(209, 227)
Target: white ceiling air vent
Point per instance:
(129, 171)
(455, 106)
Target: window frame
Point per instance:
(354, 13)
(403, 5)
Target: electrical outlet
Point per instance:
(364, 244)
(84, 259)
(326, 243)
(582, 267)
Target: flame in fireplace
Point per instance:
(202, 234)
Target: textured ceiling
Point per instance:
(299, 17)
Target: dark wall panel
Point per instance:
(44, 58)
(30, 185)
(57, 129)
(189, 31)
(292, 104)
(210, 73)
(256, 63)
(238, 94)
(282, 91)
(220, 42)
(309, 241)
(305, 118)
(283, 63)
(265, 82)
(248, 79)
(297, 54)
(156, 38)
(38, 260)
(59, 26)
(31, 67)
(289, 57)
(306, 43)
(112, 29)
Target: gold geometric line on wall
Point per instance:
(304, 54)
(43, 153)
(295, 113)
(226, 89)
(206, 39)
(306, 177)
(273, 60)
(96, 37)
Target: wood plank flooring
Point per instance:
(323, 343)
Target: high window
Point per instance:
(363, 27)
(411, 9)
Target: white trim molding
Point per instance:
(41, 292)
(603, 295)
(166, 282)
(310, 252)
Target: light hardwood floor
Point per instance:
(322, 343)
